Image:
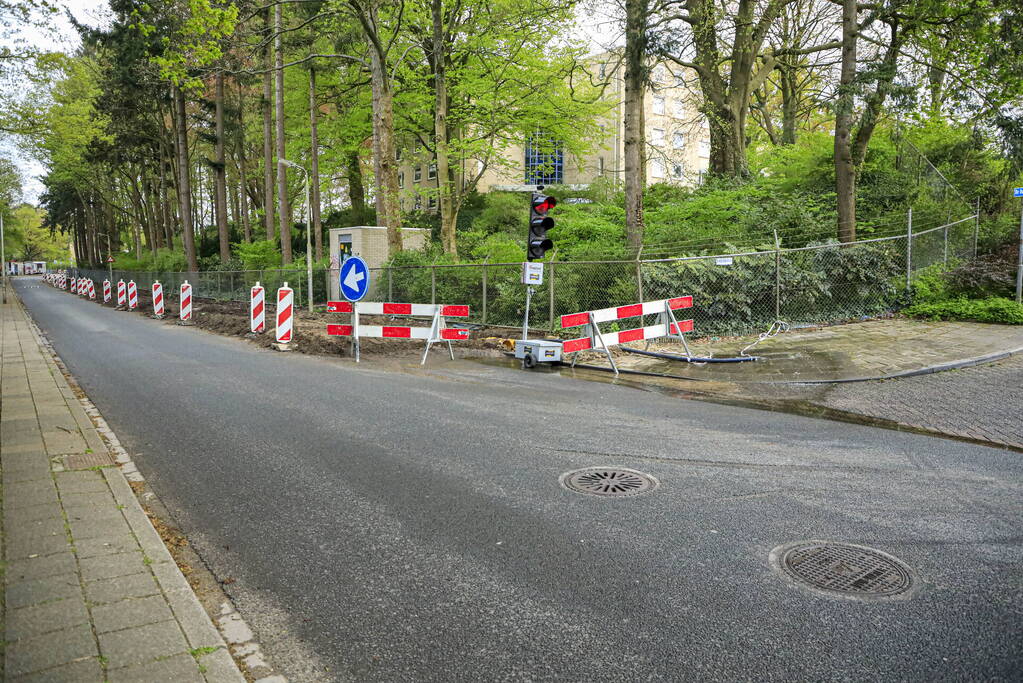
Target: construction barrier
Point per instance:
(257, 309)
(91, 287)
(122, 294)
(106, 291)
(285, 313)
(594, 339)
(74, 285)
(157, 300)
(438, 331)
(185, 310)
(133, 295)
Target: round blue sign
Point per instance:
(354, 278)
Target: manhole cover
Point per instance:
(844, 569)
(608, 481)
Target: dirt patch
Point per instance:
(231, 318)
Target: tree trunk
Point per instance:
(268, 141)
(284, 215)
(445, 184)
(220, 189)
(789, 105)
(635, 143)
(388, 210)
(845, 169)
(184, 182)
(243, 169)
(314, 170)
(356, 191)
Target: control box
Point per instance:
(533, 351)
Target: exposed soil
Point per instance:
(231, 318)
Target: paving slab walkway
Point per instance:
(90, 591)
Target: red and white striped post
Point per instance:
(257, 309)
(106, 291)
(122, 294)
(133, 295)
(74, 285)
(285, 316)
(92, 288)
(158, 300)
(185, 310)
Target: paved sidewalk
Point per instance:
(90, 591)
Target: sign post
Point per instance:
(353, 278)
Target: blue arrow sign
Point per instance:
(1017, 192)
(354, 278)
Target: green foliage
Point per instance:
(165, 261)
(992, 310)
(258, 255)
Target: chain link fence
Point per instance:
(734, 294)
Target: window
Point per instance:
(678, 140)
(401, 179)
(419, 202)
(680, 109)
(397, 153)
(657, 136)
(603, 70)
(677, 171)
(659, 74)
(680, 81)
(419, 145)
(417, 173)
(704, 149)
(431, 202)
(545, 160)
(600, 167)
(656, 168)
(431, 174)
(658, 105)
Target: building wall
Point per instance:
(678, 143)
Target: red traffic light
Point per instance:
(543, 204)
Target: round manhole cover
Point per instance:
(614, 482)
(844, 569)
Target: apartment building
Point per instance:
(677, 137)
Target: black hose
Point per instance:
(689, 359)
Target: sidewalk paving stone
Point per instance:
(92, 594)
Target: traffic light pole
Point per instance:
(525, 319)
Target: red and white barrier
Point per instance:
(185, 310)
(157, 300)
(133, 295)
(74, 285)
(593, 338)
(106, 291)
(257, 309)
(122, 294)
(438, 331)
(91, 288)
(285, 314)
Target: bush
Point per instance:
(258, 255)
(992, 310)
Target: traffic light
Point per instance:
(539, 224)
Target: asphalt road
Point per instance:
(391, 526)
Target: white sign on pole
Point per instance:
(532, 273)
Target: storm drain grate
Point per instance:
(845, 569)
(608, 481)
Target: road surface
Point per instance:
(386, 525)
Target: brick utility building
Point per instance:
(677, 136)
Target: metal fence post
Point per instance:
(485, 290)
(777, 276)
(909, 247)
(433, 283)
(550, 296)
(976, 226)
(948, 219)
(390, 280)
